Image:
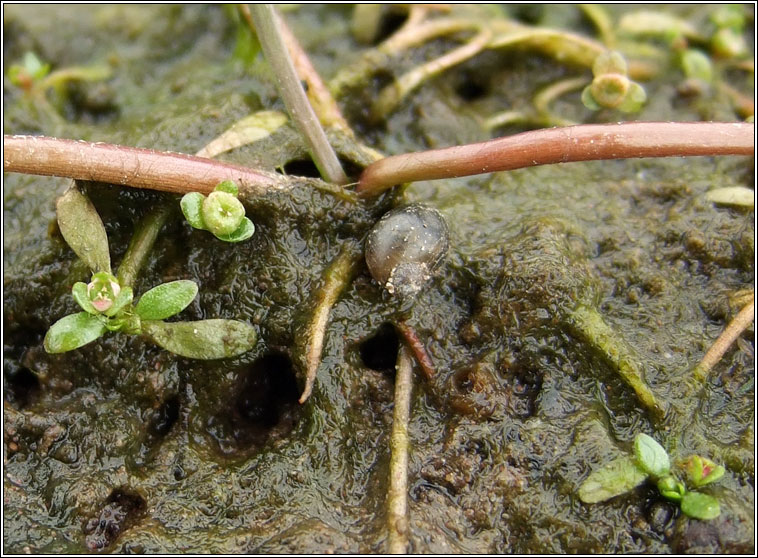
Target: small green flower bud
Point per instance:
(222, 212)
(103, 290)
(610, 90)
(701, 471)
(671, 489)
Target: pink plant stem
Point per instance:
(562, 145)
(129, 166)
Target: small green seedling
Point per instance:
(108, 305)
(220, 213)
(651, 462)
(611, 88)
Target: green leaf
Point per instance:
(651, 457)
(227, 186)
(243, 232)
(617, 477)
(700, 506)
(73, 331)
(634, 99)
(83, 229)
(79, 292)
(166, 300)
(124, 297)
(588, 100)
(205, 339)
(191, 205)
(671, 488)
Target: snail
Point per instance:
(405, 246)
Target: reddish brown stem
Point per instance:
(129, 166)
(562, 145)
(417, 347)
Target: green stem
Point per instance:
(291, 90)
(335, 279)
(589, 324)
(142, 242)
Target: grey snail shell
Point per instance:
(405, 246)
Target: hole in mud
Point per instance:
(121, 510)
(391, 22)
(523, 389)
(21, 385)
(301, 167)
(379, 352)
(264, 406)
(470, 88)
(164, 417)
(306, 167)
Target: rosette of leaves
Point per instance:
(220, 212)
(108, 306)
(611, 87)
(651, 462)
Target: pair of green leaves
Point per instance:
(650, 461)
(220, 212)
(108, 305)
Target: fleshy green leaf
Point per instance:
(243, 232)
(83, 229)
(588, 100)
(651, 457)
(73, 331)
(205, 339)
(191, 205)
(166, 300)
(227, 186)
(700, 506)
(79, 292)
(615, 478)
(634, 99)
(124, 297)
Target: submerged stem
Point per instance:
(590, 325)
(291, 90)
(735, 328)
(397, 514)
(141, 243)
(584, 142)
(336, 278)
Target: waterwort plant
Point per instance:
(650, 461)
(107, 301)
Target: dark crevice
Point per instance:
(379, 352)
(121, 510)
(264, 406)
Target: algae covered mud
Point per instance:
(558, 281)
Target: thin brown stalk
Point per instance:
(397, 501)
(730, 334)
(336, 278)
(130, 166)
(419, 351)
(562, 145)
(291, 90)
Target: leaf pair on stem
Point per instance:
(107, 301)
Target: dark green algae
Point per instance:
(123, 447)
